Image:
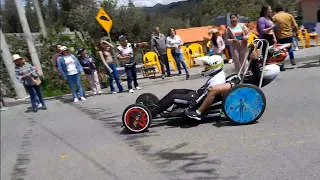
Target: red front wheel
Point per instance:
(136, 118)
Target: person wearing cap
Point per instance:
(70, 69)
(90, 70)
(125, 54)
(27, 74)
(111, 68)
(217, 44)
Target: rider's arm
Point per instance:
(255, 69)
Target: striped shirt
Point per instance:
(238, 32)
(26, 69)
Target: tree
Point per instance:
(11, 22)
(52, 14)
(130, 4)
(31, 16)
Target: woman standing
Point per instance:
(217, 44)
(265, 26)
(28, 75)
(70, 70)
(237, 37)
(90, 70)
(125, 54)
(174, 42)
(111, 68)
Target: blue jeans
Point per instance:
(114, 75)
(35, 95)
(74, 82)
(284, 41)
(178, 57)
(131, 76)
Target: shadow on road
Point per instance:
(310, 64)
(192, 164)
(170, 161)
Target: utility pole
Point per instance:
(40, 18)
(28, 36)
(8, 61)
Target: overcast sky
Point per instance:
(147, 2)
(135, 2)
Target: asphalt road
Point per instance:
(84, 141)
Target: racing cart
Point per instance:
(244, 104)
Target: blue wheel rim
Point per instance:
(244, 105)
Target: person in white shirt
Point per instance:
(125, 54)
(174, 42)
(70, 69)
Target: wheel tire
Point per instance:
(147, 99)
(133, 125)
(232, 98)
(231, 76)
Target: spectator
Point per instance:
(38, 103)
(265, 27)
(55, 57)
(174, 42)
(217, 44)
(111, 68)
(90, 70)
(70, 70)
(237, 37)
(318, 15)
(28, 75)
(2, 103)
(158, 45)
(317, 28)
(125, 55)
(284, 23)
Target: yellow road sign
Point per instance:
(104, 20)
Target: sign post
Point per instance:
(106, 23)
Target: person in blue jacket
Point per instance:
(71, 70)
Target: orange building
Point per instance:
(200, 34)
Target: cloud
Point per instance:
(147, 3)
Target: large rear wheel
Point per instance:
(244, 104)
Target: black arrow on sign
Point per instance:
(104, 18)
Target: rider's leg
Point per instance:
(168, 100)
(220, 89)
(217, 90)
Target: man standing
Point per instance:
(284, 23)
(55, 57)
(317, 28)
(158, 45)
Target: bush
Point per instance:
(53, 85)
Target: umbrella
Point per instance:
(225, 19)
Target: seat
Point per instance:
(252, 37)
(171, 59)
(195, 50)
(309, 36)
(150, 59)
(302, 39)
(187, 56)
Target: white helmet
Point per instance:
(212, 64)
